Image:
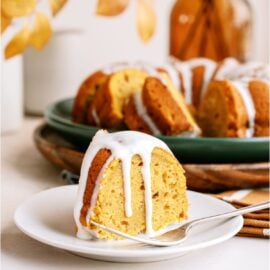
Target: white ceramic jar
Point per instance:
(53, 73)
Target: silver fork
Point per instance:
(182, 232)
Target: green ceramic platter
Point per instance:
(194, 150)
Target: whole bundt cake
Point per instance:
(179, 98)
(129, 181)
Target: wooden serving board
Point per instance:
(200, 177)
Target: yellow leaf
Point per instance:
(18, 8)
(56, 5)
(42, 31)
(111, 7)
(17, 43)
(5, 22)
(146, 19)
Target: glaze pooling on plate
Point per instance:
(123, 146)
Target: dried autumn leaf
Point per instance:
(41, 32)
(5, 22)
(17, 43)
(56, 5)
(111, 7)
(18, 8)
(146, 19)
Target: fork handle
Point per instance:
(240, 211)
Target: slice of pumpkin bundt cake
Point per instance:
(235, 109)
(158, 109)
(85, 95)
(106, 107)
(129, 181)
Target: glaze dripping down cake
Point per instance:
(198, 97)
(129, 181)
(157, 109)
(102, 97)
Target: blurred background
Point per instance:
(83, 41)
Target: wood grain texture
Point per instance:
(200, 177)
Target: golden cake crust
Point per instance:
(163, 109)
(85, 95)
(197, 83)
(222, 112)
(259, 91)
(160, 106)
(103, 106)
(132, 119)
(108, 103)
(94, 170)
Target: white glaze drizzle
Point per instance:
(95, 117)
(126, 168)
(190, 134)
(226, 67)
(123, 146)
(142, 112)
(173, 74)
(243, 89)
(186, 73)
(112, 68)
(250, 70)
(185, 68)
(148, 68)
(210, 67)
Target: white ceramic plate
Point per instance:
(48, 218)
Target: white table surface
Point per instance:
(25, 172)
